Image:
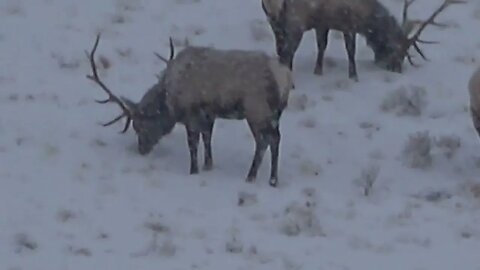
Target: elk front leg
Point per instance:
(207, 145)
(290, 46)
(322, 41)
(350, 45)
(193, 138)
(261, 144)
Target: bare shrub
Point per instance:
(417, 151)
(367, 179)
(128, 5)
(433, 195)
(246, 199)
(167, 248)
(299, 102)
(405, 101)
(309, 192)
(157, 227)
(187, 1)
(234, 245)
(343, 84)
(64, 215)
(80, 251)
(120, 18)
(104, 62)
(472, 189)
(476, 13)
(300, 218)
(465, 59)
(308, 167)
(449, 144)
(308, 122)
(24, 242)
(124, 53)
(369, 128)
(289, 264)
(51, 150)
(196, 29)
(13, 97)
(64, 63)
(13, 7)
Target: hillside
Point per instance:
(75, 195)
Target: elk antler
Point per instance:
(172, 53)
(111, 97)
(415, 39)
(406, 5)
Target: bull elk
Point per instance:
(389, 40)
(201, 84)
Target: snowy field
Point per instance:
(379, 174)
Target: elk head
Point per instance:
(149, 118)
(394, 60)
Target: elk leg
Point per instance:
(350, 45)
(287, 53)
(207, 145)
(322, 41)
(274, 142)
(261, 144)
(475, 120)
(193, 138)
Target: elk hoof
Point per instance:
(207, 167)
(273, 182)
(193, 171)
(318, 71)
(250, 179)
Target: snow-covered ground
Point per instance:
(76, 196)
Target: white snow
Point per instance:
(76, 196)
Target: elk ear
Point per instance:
(131, 105)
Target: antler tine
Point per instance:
(415, 39)
(172, 49)
(417, 48)
(431, 19)
(410, 60)
(172, 52)
(161, 57)
(111, 97)
(116, 119)
(406, 5)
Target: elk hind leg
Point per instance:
(207, 145)
(350, 45)
(261, 144)
(193, 138)
(322, 41)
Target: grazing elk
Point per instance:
(201, 84)
(389, 40)
(474, 92)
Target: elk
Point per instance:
(201, 84)
(389, 40)
(474, 93)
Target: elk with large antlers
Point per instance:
(201, 84)
(389, 40)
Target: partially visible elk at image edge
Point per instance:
(474, 94)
